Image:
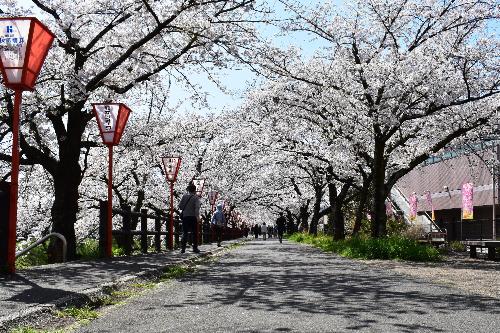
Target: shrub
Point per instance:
(415, 231)
(35, 257)
(457, 246)
(88, 249)
(394, 247)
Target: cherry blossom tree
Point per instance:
(401, 80)
(108, 50)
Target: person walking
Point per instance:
(263, 229)
(190, 207)
(280, 225)
(256, 231)
(219, 223)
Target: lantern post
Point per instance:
(24, 44)
(200, 184)
(212, 198)
(171, 165)
(112, 119)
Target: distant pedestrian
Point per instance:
(219, 223)
(263, 229)
(270, 231)
(256, 230)
(190, 206)
(280, 225)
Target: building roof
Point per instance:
(452, 173)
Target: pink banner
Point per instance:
(413, 207)
(431, 206)
(467, 201)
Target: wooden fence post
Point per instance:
(144, 231)
(103, 231)
(157, 235)
(126, 230)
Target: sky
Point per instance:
(236, 79)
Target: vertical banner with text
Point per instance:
(413, 207)
(467, 201)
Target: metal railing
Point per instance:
(43, 239)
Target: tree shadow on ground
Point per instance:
(302, 280)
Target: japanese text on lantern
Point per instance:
(107, 118)
(11, 43)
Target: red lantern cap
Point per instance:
(199, 183)
(212, 197)
(171, 165)
(112, 119)
(24, 44)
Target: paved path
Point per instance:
(265, 286)
(33, 291)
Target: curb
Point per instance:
(35, 313)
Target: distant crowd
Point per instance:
(269, 231)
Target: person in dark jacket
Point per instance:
(190, 206)
(280, 225)
(256, 229)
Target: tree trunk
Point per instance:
(318, 195)
(64, 209)
(291, 227)
(379, 218)
(67, 178)
(360, 210)
(304, 216)
(338, 218)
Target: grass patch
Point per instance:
(457, 246)
(175, 272)
(29, 329)
(143, 285)
(36, 257)
(393, 247)
(85, 313)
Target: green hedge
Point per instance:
(394, 247)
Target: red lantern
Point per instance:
(112, 119)
(24, 44)
(171, 165)
(212, 197)
(199, 183)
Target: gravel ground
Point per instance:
(473, 276)
(265, 286)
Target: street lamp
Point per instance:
(212, 198)
(199, 183)
(171, 165)
(112, 119)
(24, 44)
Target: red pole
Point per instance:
(109, 226)
(171, 225)
(14, 180)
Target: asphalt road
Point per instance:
(265, 286)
